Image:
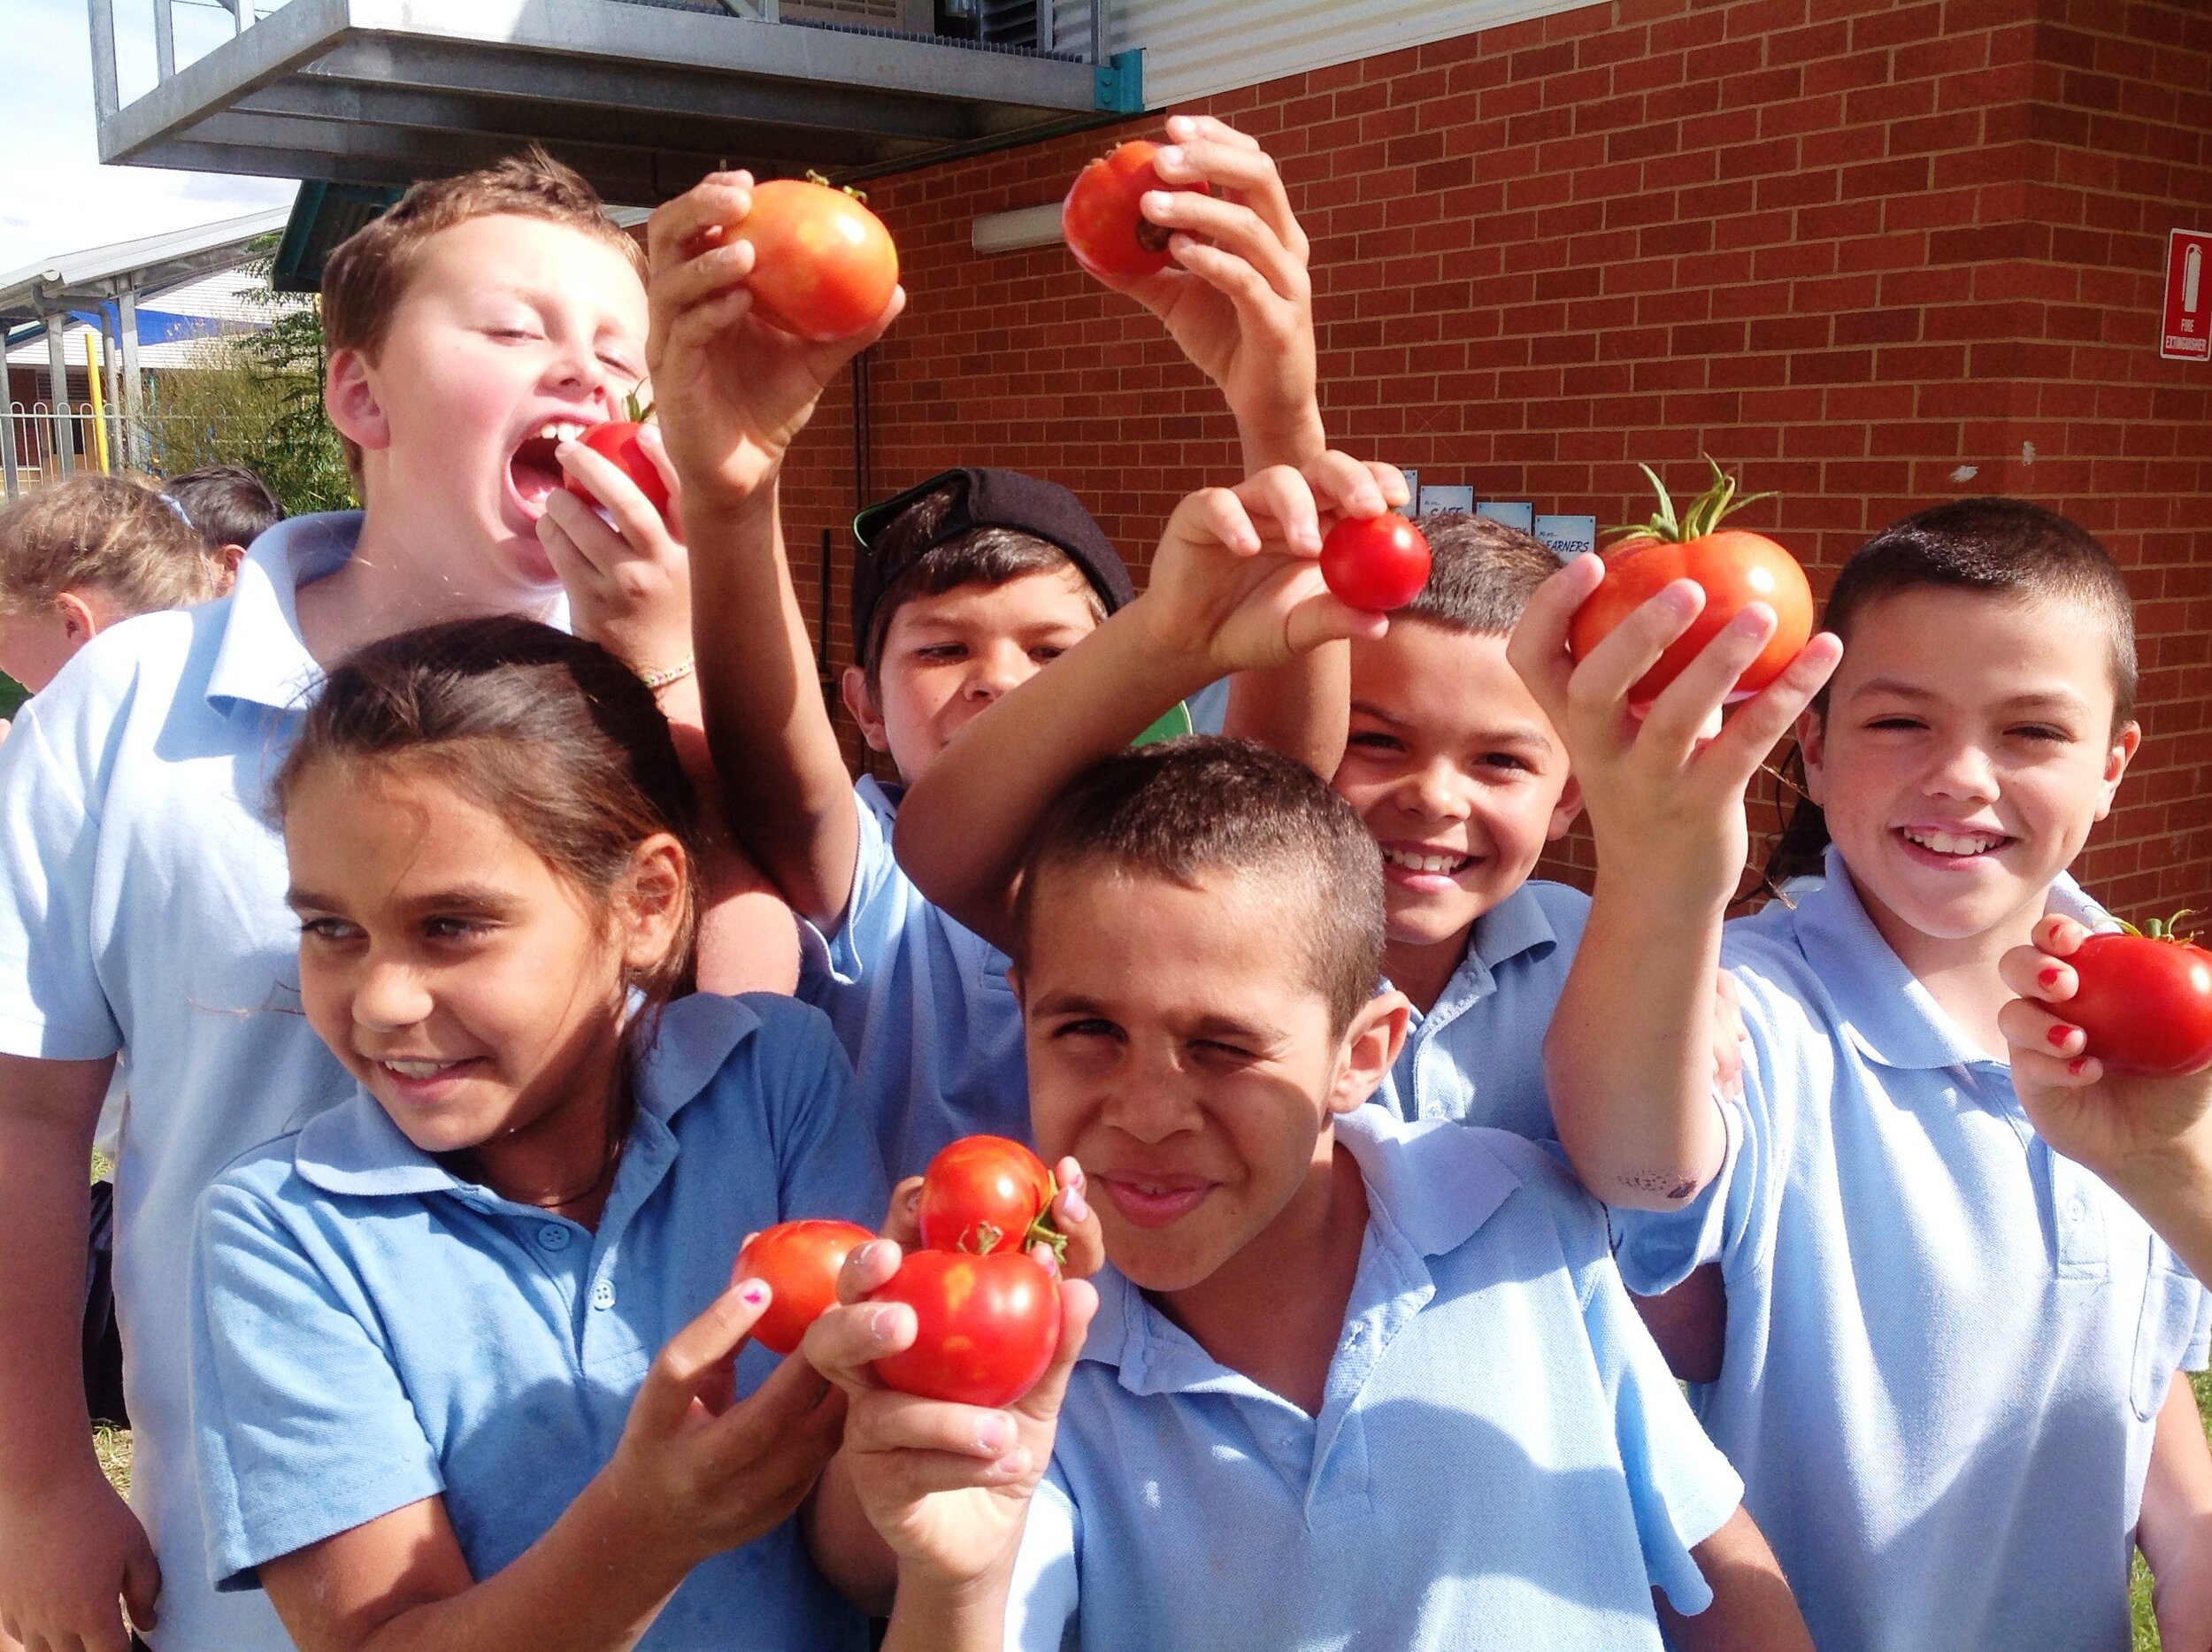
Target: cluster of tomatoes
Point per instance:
(987, 1311)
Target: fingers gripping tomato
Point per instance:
(1375, 563)
(824, 266)
(2144, 998)
(984, 1193)
(799, 1262)
(617, 439)
(1735, 568)
(1100, 219)
(987, 1325)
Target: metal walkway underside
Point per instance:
(642, 99)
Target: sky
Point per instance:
(55, 197)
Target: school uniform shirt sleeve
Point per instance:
(302, 1426)
(1680, 1487)
(1041, 1607)
(52, 1004)
(875, 910)
(827, 1163)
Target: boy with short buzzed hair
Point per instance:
(143, 889)
(1349, 1380)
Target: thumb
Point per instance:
(681, 1370)
(1323, 617)
(1078, 1302)
(141, 1584)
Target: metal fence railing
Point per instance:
(43, 442)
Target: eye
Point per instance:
(1504, 763)
(2042, 734)
(1046, 653)
(513, 334)
(1370, 740)
(453, 926)
(941, 651)
(330, 930)
(1895, 724)
(1086, 1027)
(1220, 1053)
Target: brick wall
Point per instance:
(1877, 255)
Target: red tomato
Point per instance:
(799, 1262)
(1376, 563)
(824, 266)
(1735, 568)
(983, 1193)
(1099, 219)
(617, 439)
(2145, 1002)
(988, 1326)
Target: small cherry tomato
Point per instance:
(983, 1193)
(617, 439)
(799, 1262)
(2145, 1001)
(1101, 220)
(824, 265)
(1375, 563)
(987, 1325)
(1735, 568)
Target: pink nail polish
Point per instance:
(2058, 1035)
(2047, 976)
(752, 1293)
(2076, 1065)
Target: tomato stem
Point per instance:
(1701, 516)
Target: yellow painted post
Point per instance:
(96, 369)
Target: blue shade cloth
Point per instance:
(1947, 1345)
(141, 909)
(921, 1004)
(1501, 1459)
(1477, 1055)
(370, 1331)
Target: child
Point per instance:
(142, 905)
(1350, 1380)
(419, 1415)
(967, 585)
(228, 506)
(79, 555)
(1950, 1372)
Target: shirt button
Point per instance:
(553, 1236)
(602, 1294)
(2076, 1210)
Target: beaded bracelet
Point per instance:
(659, 680)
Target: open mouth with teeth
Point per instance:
(421, 1076)
(1953, 846)
(532, 470)
(1426, 863)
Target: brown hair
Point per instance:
(227, 504)
(1481, 573)
(2003, 548)
(554, 736)
(982, 556)
(1203, 803)
(364, 280)
(112, 534)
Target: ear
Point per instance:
(860, 700)
(652, 901)
(1369, 1049)
(2116, 764)
(1812, 745)
(226, 560)
(80, 618)
(1566, 811)
(350, 398)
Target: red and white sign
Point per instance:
(2186, 334)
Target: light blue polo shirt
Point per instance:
(1477, 1055)
(1947, 1345)
(141, 909)
(922, 1005)
(369, 1330)
(1494, 1463)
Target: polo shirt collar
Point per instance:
(354, 1149)
(1884, 1011)
(261, 660)
(1430, 1186)
(1517, 925)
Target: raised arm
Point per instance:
(1233, 588)
(1628, 1058)
(733, 393)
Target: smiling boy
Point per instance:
(1350, 1380)
(144, 909)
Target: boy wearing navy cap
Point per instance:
(967, 585)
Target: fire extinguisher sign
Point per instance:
(2187, 332)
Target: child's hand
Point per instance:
(946, 1485)
(732, 390)
(1243, 307)
(2127, 1127)
(67, 1559)
(1666, 801)
(704, 1476)
(629, 586)
(1235, 583)
(1069, 1210)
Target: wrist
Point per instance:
(636, 1528)
(713, 501)
(1162, 653)
(1294, 436)
(2174, 1177)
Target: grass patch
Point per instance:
(112, 1447)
